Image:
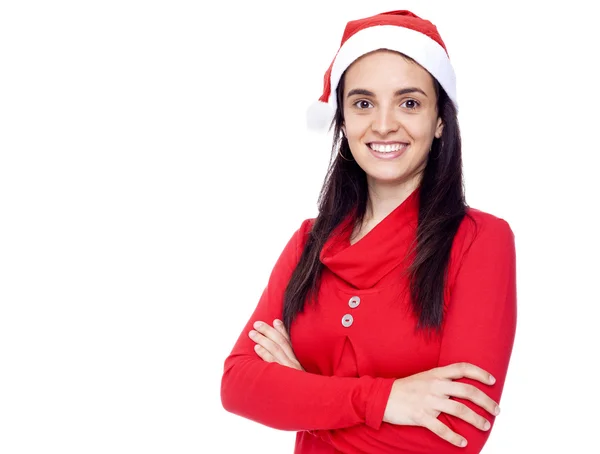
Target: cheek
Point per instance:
(356, 126)
(420, 130)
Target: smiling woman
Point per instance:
(388, 321)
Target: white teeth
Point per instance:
(387, 148)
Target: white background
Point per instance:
(155, 160)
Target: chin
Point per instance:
(386, 177)
(386, 170)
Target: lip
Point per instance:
(386, 142)
(390, 155)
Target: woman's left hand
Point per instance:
(273, 344)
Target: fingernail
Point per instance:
(463, 443)
(277, 322)
(257, 325)
(252, 333)
(492, 379)
(497, 410)
(486, 426)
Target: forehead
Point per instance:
(385, 70)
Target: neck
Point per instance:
(385, 197)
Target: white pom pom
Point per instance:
(319, 116)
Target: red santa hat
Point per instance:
(401, 31)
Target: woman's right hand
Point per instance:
(417, 400)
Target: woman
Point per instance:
(398, 301)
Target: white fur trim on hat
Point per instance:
(319, 116)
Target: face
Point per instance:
(390, 117)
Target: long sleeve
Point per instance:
(289, 399)
(479, 328)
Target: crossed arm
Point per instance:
(479, 329)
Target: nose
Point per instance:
(385, 120)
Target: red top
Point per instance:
(353, 353)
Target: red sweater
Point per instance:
(353, 353)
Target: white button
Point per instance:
(354, 302)
(347, 320)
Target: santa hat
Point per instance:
(401, 31)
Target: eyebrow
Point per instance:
(403, 91)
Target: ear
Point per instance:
(343, 128)
(439, 127)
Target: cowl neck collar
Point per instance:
(364, 263)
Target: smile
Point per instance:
(387, 150)
(388, 147)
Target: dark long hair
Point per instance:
(442, 207)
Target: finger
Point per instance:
(443, 431)
(460, 410)
(273, 348)
(279, 326)
(275, 336)
(289, 351)
(472, 393)
(460, 370)
(264, 354)
(268, 357)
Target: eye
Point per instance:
(362, 104)
(411, 104)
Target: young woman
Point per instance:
(388, 321)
